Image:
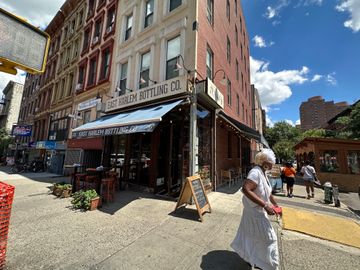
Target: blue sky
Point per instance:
(301, 49)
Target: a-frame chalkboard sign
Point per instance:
(194, 188)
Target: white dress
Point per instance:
(256, 240)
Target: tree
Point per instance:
(5, 140)
(350, 125)
(318, 133)
(281, 131)
(284, 150)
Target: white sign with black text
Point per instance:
(161, 90)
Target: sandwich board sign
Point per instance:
(194, 188)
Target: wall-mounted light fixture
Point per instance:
(223, 81)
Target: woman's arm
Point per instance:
(248, 190)
(272, 200)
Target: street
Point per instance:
(141, 231)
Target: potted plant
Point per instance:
(87, 200)
(57, 190)
(66, 190)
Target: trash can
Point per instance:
(328, 193)
(335, 192)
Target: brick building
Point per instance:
(187, 63)
(316, 112)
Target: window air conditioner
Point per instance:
(108, 30)
(78, 87)
(95, 39)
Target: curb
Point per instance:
(278, 229)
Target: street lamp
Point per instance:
(143, 81)
(223, 81)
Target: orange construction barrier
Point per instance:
(6, 199)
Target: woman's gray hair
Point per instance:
(265, 155)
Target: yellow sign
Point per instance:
(21, 45)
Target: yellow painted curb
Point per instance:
(341, 230)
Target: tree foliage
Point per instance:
(350, 123)
(5, 140)
(284, 150)
(281, 131)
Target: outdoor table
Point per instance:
(100, 174)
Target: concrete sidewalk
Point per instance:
(141, 231)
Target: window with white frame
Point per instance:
(236, 11)
(149, 13)
(236, 36)
(172, 55)
(144, 70)
(229, 92)
(210, 11)
(174, 4)
(228, 50)
(123, 77)
(237, 104)
(228, 9)
(129, 24)
(209, 63)
(97, 31)
(237, 70)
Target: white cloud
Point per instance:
(290, 122)
(5, 78)
(260, 42)
(273, 87)
(312, 2)
(316, 78)
(352, 7)
(37, 12)
(298, 122)
(270, 12)
(269, 121)
(331, 79)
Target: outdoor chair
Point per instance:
(227, 177)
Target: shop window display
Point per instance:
(204, 136)
(329, 161)
(353, 162)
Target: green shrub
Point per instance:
(82, 199)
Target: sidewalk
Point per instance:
(141, 231)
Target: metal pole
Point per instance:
(193, 144)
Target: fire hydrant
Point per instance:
(328, 193)
(335, 192)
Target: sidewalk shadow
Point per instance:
(224, 260)
(186, 213)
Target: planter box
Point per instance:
(57, 191)
(94, 203)
(66, 193)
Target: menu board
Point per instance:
(193, 188)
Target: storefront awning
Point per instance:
(140, 120)
(245, 130)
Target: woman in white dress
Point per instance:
(256, 240)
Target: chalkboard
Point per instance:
(193, 188)
(199, 192)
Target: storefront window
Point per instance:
(329, 161)
(204, 136)
(353, 162)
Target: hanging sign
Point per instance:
(194, 188)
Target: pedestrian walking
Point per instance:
(289, 175)
(256, 241)
(309, 176)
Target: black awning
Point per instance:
(245, 130)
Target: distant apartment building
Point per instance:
(10, 105)
(316, 112)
